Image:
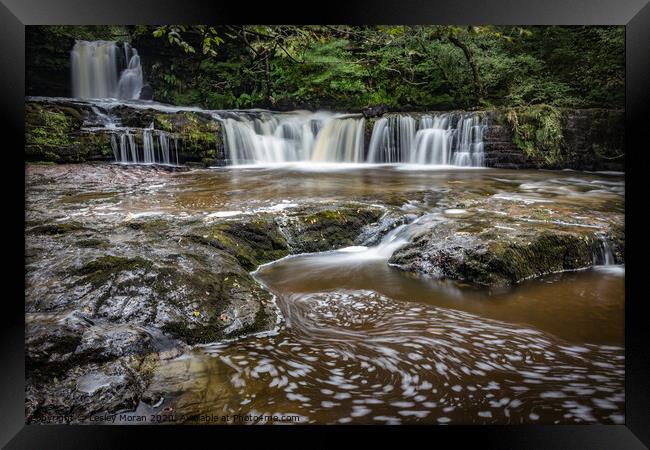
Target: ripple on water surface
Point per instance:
(358, 357)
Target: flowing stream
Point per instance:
(363, 342)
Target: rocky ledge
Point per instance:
(70, 131)
(109, 295)
(64, 130)
(106, 302)
(501, 240)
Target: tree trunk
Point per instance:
(469, 56)
(267, 78)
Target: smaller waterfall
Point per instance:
(603, 256)
(99, 70)
(444, 139)
(131, 79)
(147, 145)
(157, 147)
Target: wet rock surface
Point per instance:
(67, 130)
(504, 239)
(127, 266)
(328, 229)
(103, 294)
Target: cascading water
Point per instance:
(97, 70)
(298, 137)
(603, 256)
(391, 138)
(158, 147)
(444, 139)
(131, 80)
(453, 140)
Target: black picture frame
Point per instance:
(634, 14)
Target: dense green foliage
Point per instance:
(343, 67)
(538, 132)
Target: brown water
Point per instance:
(363, 342)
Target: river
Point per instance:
(363, 341)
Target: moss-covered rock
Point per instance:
(328, 229)
(222, 305)
(48, 132)
(56, 228)
(107, 264)
(53, 132)
(487, 257)
(252, 242)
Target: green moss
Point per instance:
(57, 228)
(48, 128)
(513, 262)
(251, 243)
(162, 122)
(330, 229)
(93, 243)
(537, 131)
(100, 270)
(93, 144)
(198, 136)
(52, 134)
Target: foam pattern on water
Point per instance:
(358, 357)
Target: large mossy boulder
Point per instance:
(252, 243)
(53, 132)
(496, 258)
(328, 229)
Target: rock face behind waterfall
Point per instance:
(65, 130)
(591, 139)
(68, 131)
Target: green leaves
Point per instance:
(538, 132)
(413, 67)
(176, 35)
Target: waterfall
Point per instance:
(340, 140)
(156, 147)
(131, 80)
(266, 138)
(391, 138)
(444, 139)
(99, 70)
(603, 256)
